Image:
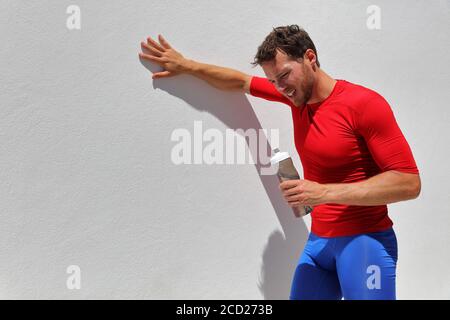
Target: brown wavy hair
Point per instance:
(291, 39)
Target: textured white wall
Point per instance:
(86, 176)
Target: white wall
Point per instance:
(86, 176)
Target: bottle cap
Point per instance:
(278, 156)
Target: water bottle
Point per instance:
(287, 171)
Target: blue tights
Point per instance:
(351, 267)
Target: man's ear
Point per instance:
(311, 56)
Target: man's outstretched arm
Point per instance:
(175, 63)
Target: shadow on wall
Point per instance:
(235, 111)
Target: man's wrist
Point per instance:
(190, 66)
(327, 193)
(336, 192)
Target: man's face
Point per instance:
(292, 78)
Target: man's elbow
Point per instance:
(416, 187)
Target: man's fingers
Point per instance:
(161, 74)
(164, 43)
(287, 184)
(291, 192)
(291, 198)
(155, 44)
(151, 49)
(151, 58)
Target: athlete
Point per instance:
(355, 161)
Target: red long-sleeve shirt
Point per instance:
(350, 136)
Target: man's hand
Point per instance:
(163, 54)
(303, 192)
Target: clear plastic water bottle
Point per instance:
(287, 171)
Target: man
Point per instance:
(354, 156)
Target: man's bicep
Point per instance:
(263, 88)
(385, 140)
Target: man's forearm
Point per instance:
(220, 77)
(384, 188)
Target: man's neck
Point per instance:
(322, 88)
